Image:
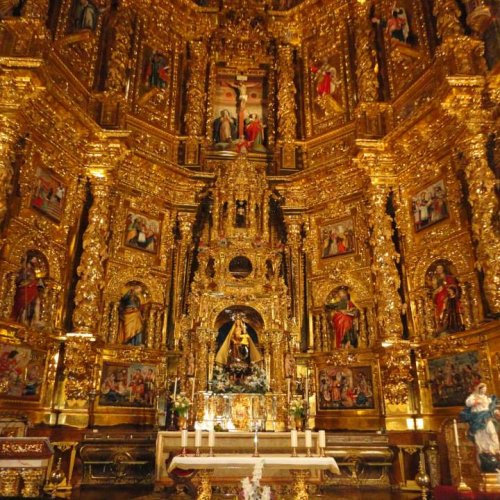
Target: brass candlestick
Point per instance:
(197, 452)
(308, 452)
(183, 452)
(294, 451)
(211, 451)
(322, 452)
(462, 487)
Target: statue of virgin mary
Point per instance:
(238, 346)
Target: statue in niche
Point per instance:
(131, 309)
(238, 346)
(85, 15)
(344, 318)
(241, 213)
(446, 294)
(155, 74)
(482, 416)
(29, 289)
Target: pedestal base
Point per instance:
(299, 486)
(489, 483)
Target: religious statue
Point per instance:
(156, 71)
(481, 415)
(85, 15)
(29, 289)
(131, 324)
(327, 86)
(241, 89)
(345, 319)
(241, 213)
(238, 347)
(446, 293)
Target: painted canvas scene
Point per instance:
(49, 194)
(453, 378)
(345, 388)
(429, 206)
(128, 385)
(337, 238)
(21, 372)
(239, 121)
(142, 232)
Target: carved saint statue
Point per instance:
(345, 319)
(481, 415)
(85, 15)
(241, 213)
(238, 347)
(131, 318)
(29, 289)
(446, 296)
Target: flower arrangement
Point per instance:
(251, 380)
(181, 405)
(297, 408)
(251, 489)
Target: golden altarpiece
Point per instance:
(254, 204)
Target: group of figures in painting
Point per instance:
(128, 385)
(21, 371)
(346, 388)
(239, 122)
(455, 379)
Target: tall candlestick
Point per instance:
(294, 438)
(455, 432)
(193, 386)
(288, 392)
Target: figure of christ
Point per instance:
(242, 97)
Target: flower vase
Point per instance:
(299, 423)
(182, 422)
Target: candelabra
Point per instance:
(462, 487)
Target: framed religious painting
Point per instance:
(429, 205)
(240, 119)
(337, 238)
(142, 232)
(452, 378)
(49, 194)
(346, 388)
(128, 385)
(21, 372)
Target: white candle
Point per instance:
(294, 438)
(175, 388)
(197, 438)
(192, 389)
(184, 438)
(455, 431)
(309, 439)
(211, 438)
(322, 439)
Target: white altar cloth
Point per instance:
(248, 462)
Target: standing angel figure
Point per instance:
(481, 414)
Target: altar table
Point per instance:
(299, 467)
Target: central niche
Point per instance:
(240, 267)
